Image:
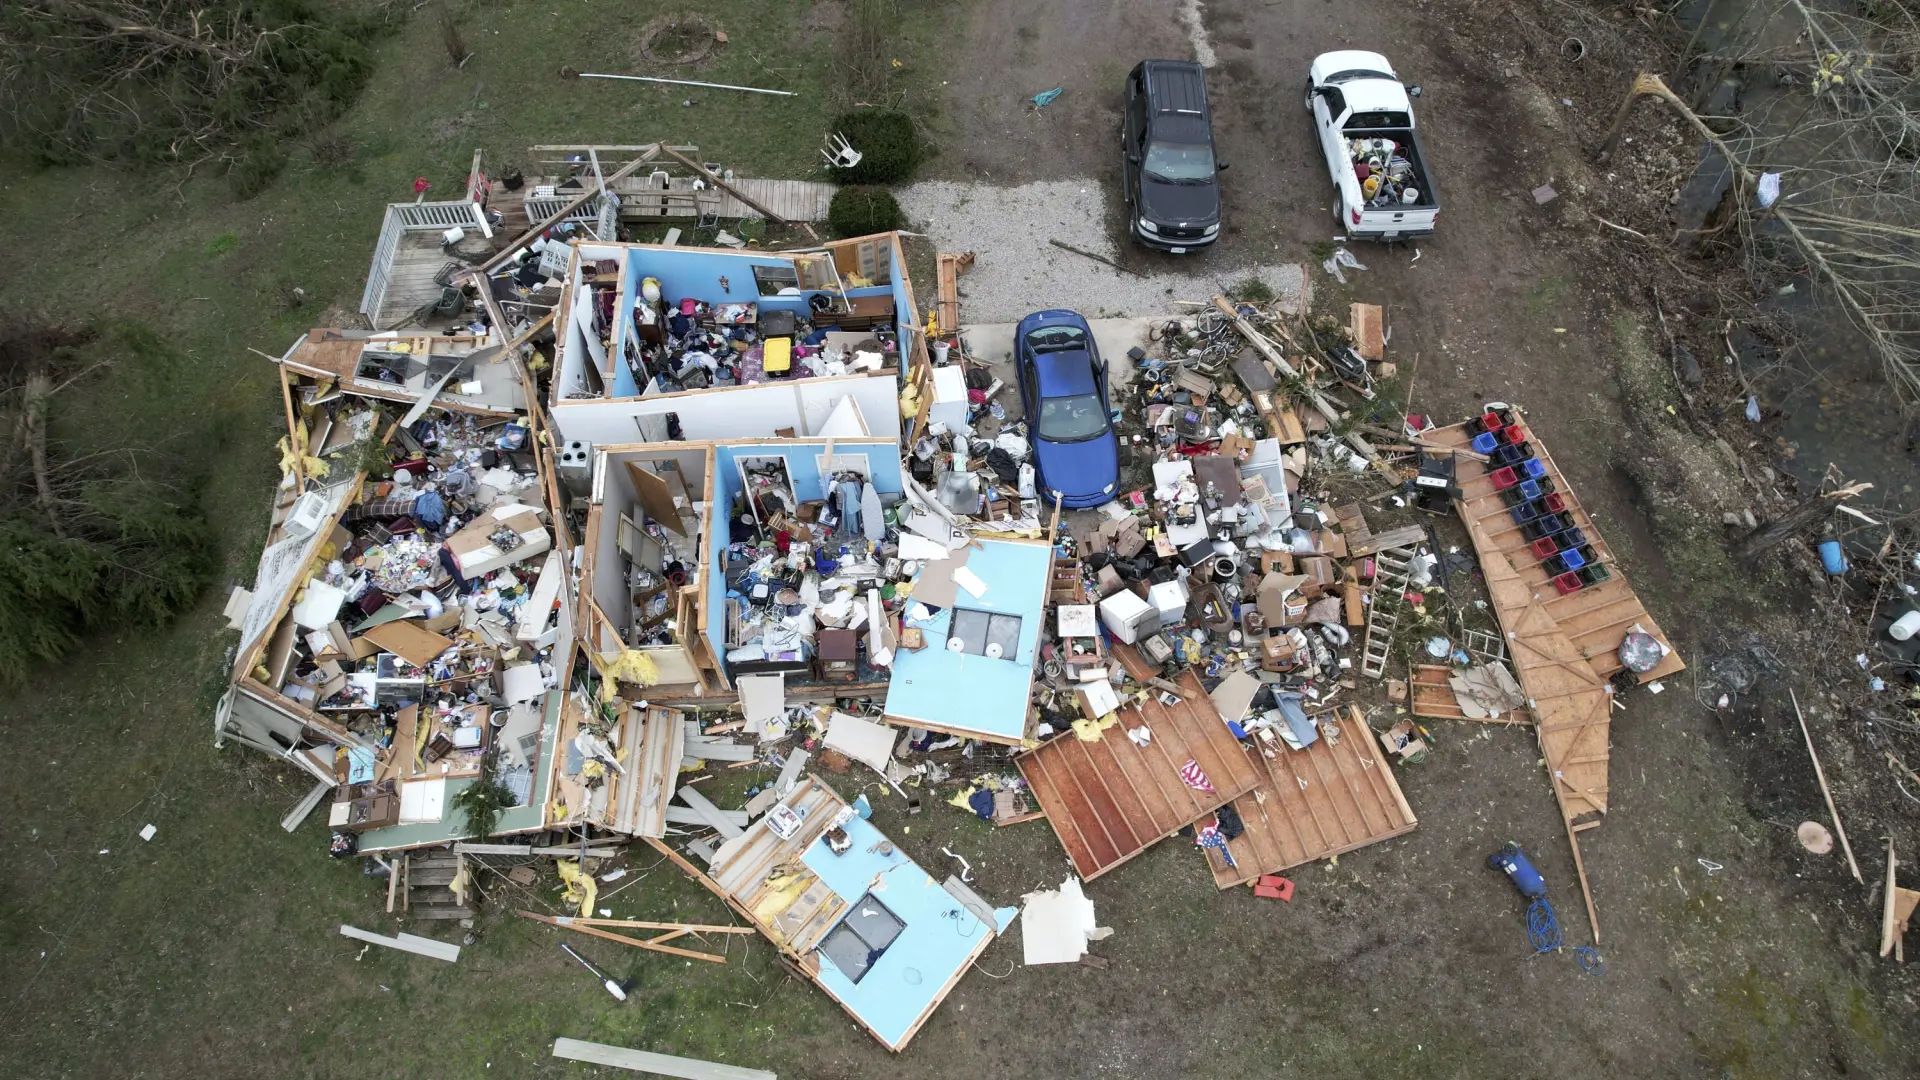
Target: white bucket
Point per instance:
(940, 349)
(1905, 626)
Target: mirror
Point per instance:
(1413, 91)
(1222, 167)
(1133, 159)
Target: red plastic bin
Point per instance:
(1515, 434)
(1491, 422)
(1544, 547)
(1568, 582)
(1554, 502)
(1504, 478)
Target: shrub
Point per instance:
(857, 211)
(889, 147)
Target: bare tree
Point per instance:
(1825, 174)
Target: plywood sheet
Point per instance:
(1337, 795)
(1110, 799)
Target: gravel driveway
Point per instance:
(1018, 271)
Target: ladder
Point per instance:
(1391, 569)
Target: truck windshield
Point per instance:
(1071, 419)
(1180, 163)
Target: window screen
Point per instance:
(771, 279)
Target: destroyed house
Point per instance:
(656, 343)
(397, 628)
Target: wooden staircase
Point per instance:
(428, 879)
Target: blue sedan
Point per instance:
(1063, 388)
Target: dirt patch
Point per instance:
(676, 39)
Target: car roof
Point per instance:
(1176, 86)
(1067, 371)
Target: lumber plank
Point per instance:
(620, 1057)
(720, 822)
(419, 946)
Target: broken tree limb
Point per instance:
(1790, 524)
(1871, 317)
(1266, 348)
(1085, 254)
(39, 387)
(1820, 774)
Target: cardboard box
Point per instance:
(475, 554)
(1237, 447)
(1320, 574)
(1276, 589)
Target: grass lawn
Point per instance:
(213, 950)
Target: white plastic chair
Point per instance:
(842, 156)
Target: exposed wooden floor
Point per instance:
(416, 261)
(1597, 618)
(1109, 800)
(1315, 803)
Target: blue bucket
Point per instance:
(1831, 556)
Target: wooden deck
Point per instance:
(1109, 800)
(417, 260)
(1315, 803)
(653, 196)
(1597, 618)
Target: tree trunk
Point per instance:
(38, 389)
(1788, 525)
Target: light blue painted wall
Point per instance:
(932, 951)
(968, 692)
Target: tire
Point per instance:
(1309, 101)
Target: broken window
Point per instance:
(771, 279)
(862, 937)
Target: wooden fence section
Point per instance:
(1597, 618)
(1108, 800)
(1333, 797)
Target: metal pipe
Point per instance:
(689, 82)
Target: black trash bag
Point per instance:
(1003, 465)
(1230, 824)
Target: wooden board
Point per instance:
(1368, 325)
(419, 946)
(1430, 696)
(1597, 618)
(1315, 803)
(1108, 800)
(410, 641)
(948, 267)
(657, 497)
(620, 1057)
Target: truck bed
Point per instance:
(1414, 217)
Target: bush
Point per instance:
(889, 147)
(857, 211)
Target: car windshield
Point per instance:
(1180, 163)
(1074, 418)
(1055, 338)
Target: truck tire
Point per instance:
(1309, 94)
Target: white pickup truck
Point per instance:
(1362, 112)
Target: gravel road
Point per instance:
(1018, 271)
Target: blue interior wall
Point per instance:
(697, 274)
(624, 384)
(883, 467)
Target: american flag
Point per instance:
(1195, 777)
(1210, 837)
